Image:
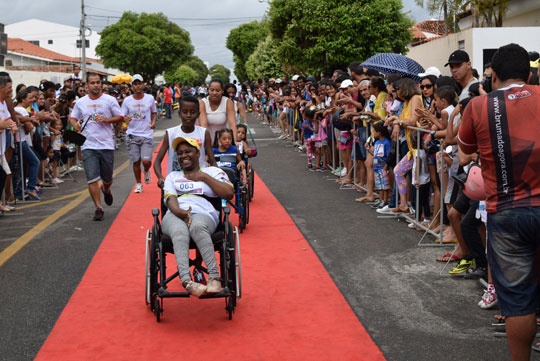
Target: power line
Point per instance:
(185, 19)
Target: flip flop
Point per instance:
(536, 347)
(364, 200)
(448, 256)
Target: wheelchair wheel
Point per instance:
(157, 309)
(238, 265)
(153, 267)
(147, 268)
(251, 181)
(247, 208)
(242, 214)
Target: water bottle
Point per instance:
(198, 276)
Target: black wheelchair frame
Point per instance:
(241, 192)
(226, 241)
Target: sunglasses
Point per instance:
(427, 86)
(395, 89)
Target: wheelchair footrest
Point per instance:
(163, 293)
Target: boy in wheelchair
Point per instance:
(191, 215)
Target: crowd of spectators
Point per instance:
(395, 140)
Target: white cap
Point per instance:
(295, 77)
(278, 81)
(346, 83)
(137, 77)
(430, 71)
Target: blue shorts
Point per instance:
(514, 258)
(360, 151)
(98, 164)
(382, 182)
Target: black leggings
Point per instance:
(423, 206)
(3, 177)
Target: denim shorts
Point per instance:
(360, 152)
(98, 164)
(514, 258)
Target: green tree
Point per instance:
(220, 72)
(243, 41)
(148, 44)
(200, 68)
(184, 75)
(322, 35)
(263, 61)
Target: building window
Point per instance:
(49, 42)
(87, 43)
(35, 42)
(461, 44)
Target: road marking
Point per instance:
(22, 241)
(67, 196)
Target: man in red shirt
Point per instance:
(504, 127)
(167, 101)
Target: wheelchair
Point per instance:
(249, 168)
(226, 241)
(240, 203)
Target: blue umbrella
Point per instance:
(390, 63)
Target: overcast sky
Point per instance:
(208, 21)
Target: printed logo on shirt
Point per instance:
(519, 95)
(89, 106)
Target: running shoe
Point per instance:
(377, 203)
(147, 176)
(194, 288)
(476, 273)
(336, 171)
(385, 210)
(138, 188)
(57, 181)
(108, 196)
(213, 286)
(489, 299)
(343, 172)
(462, 267)
(99, 214)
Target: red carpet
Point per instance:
(290, 309)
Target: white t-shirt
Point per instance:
(423, 170)
(141, 111)
(98, 135)
(198, 134)
(4, 114)
(189, 192)
(25, 136)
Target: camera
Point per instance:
(486, 84)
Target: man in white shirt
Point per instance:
(140, 114)
(94, 115)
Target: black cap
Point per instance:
(458, 57)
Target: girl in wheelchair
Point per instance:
(191, 215)
(227, 155)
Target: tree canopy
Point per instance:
(322, 35)
(148, 44)
(243, 41)
(200, 68)
(184, 74)
(263, 61)
(220, 72)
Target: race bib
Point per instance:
(188, 187)
(224, 164)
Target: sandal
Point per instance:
(365, 199)
(448, 257)
(536, 347)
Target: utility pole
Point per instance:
(83, 42)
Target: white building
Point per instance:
(63, 39)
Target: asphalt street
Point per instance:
(393, 286)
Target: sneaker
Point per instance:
(57, 181)
(382, 205)
(376, 204)
(147, 176)
(214, 285)
(476, 273)
(385, 210)
(343, 172)
(318, 169)
(98, 214)
(108, 196)
(336, 171)
(138, 188)
(313, 169)
(462, 267)
(324, 169)
(489, 299)
(194, 288)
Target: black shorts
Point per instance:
(462, 202)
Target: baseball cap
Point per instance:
(295, 77)
(310, 78)
(346, 83)
(432, 70)
(458, 57)
(68, 78)
(177, 141)
(278, 81)
(137, 77)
